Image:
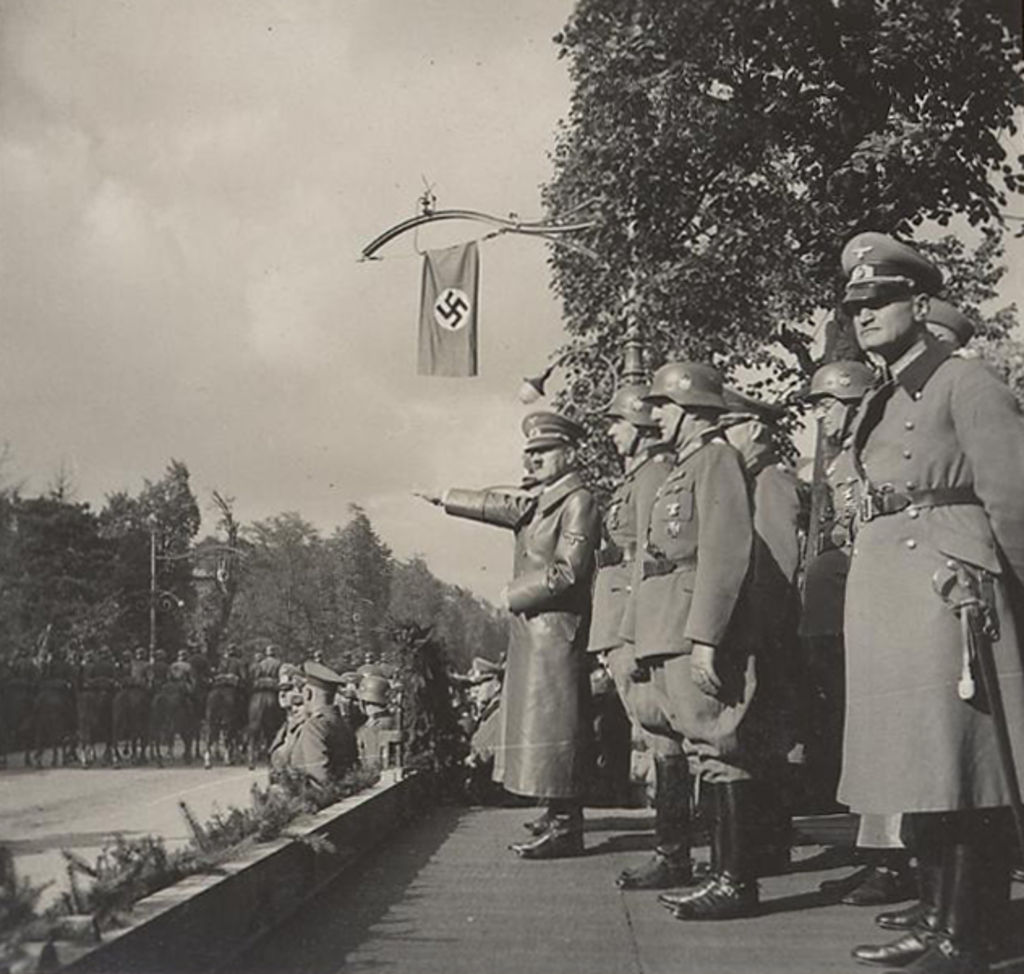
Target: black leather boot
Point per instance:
(955, 947)
(670, 866)
(897, 953)
(540, 824)
(889, 882)
(924, 913)
(564, 838)
(732, 891)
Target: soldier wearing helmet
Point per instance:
(696, 554)
(374, 697)
(949, 325)
(771, 606)
(647, 462)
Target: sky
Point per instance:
(185, 188)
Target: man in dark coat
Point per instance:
(938, 448)
(545, 719)
(324, 747)
(647, 461)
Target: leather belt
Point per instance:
(665, 566)
(882, 500)
(610, 557)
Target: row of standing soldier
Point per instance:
(696, 595)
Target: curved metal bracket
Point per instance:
(536, 228)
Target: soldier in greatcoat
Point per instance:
(771, 610)
(324, 747)
(545, 719)
(938, 448)
(696, 555)
(647, 461)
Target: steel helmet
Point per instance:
(844, 380)
(374, 689)
(688, 384)
(629, 404)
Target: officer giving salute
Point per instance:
(545, 720)
(938, 449)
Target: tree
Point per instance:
(726, 148)
(220, 564)
(279, 597)
(164, 519)
(57, 573)
(356, 585)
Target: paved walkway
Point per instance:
(448, 898)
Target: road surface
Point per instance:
(44, 811)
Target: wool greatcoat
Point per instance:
(911, 744)
(545, 703)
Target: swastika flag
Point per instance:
(448, 311)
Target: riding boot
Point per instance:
(670, 865)
(563, 838)
(775, 829)
(732, 892)
(540, 824)
(924, 913)
(956, 946)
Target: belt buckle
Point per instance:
(868, 510)
(870, 503)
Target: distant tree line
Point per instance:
(73, 575)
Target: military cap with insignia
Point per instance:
(629, 404)
(741, 406)
(688, 384)
(943, 314)
(878, 266)
(544, 430)
(288, 674)
(320, 676)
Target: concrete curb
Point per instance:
(203, 921)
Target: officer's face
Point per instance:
(545, 466)
(669, 416)
(831, 414)
(624, 435)
(889, 326)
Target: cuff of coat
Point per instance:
(711, 625)
(529, 592)
(464, 503)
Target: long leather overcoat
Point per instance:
(545, 706)
(911, 744)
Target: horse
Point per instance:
(53, 720)
(131, 722)
(265, 716)
(95, 719)
(223, 726)
(172, 715)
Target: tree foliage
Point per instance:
(726, 148)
